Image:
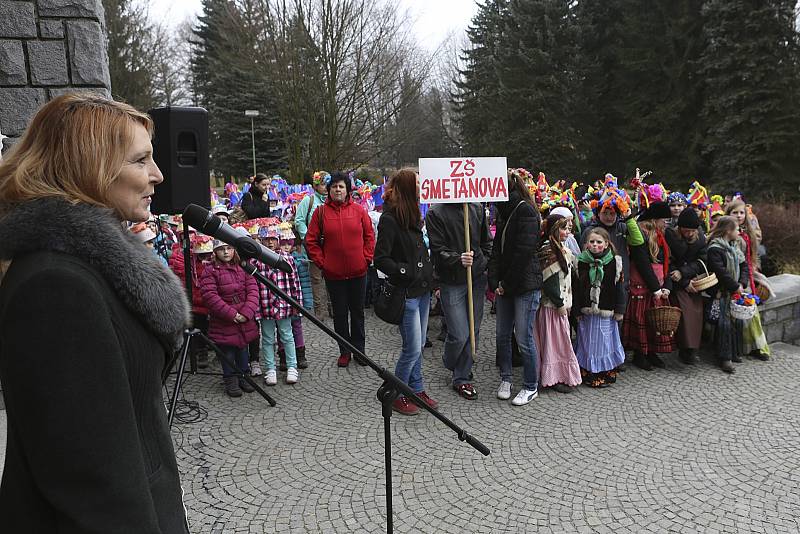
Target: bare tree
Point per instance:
(341, 71)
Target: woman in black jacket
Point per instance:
(687, 246)
(89, 448)
(402, 254)
(253, 203)
(516, 278)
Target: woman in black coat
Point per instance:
(89, 448)
(516, 278)
(401, 253)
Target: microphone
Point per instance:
(247, 247)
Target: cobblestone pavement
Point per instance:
(675, 450)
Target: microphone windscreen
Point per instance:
(198, 217)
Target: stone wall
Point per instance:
(780, 315)
(47, 48)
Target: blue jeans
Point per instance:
(284, 327)
(457, 355)
(239, 355)
(413, 330)
(519, 310)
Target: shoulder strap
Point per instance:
(503, 237)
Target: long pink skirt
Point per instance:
(557, 361)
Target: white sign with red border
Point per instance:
(458, 180)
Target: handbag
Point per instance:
(390, 303)
(713, 311)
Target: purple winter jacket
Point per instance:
(228, 290)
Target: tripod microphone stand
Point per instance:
(192, 333)
(389, 390)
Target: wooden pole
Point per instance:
(470, 307)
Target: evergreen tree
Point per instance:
(536, 68)
(750, 115)
(478, 87)
(229, 82)
(131, 53)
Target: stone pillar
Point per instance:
(48, 48)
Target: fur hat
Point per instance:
(689, 219)
(656, 210)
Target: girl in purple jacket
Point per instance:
(232, 299)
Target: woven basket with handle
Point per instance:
(704, 281)
(664, 319)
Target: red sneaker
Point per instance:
(403, 406)
(467, 391)
(344, 360)
(429, 401)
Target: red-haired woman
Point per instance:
(402, 254)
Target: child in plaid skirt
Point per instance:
(277, 313)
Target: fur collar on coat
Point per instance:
(93, 234)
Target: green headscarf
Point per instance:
(596, 264)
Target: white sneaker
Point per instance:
(504, 391)
(271, 377)
(524, 397)
(255, 369)
(292, 376)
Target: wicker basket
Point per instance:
(743, 313)
(703, 282)
(664, 319)
(762, 292)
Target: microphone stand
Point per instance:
(391, 388)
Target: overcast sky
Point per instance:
(434, 20)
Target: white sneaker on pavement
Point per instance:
(504, 391)
(255, 368)
(292, 376)
(271, 377)
(524, 397)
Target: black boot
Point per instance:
(727, 366)
(688, 356)
(641, 361)
(302, 363)
(202, 359)
(232, 386)
(282, 361)
(244, 386)
(655, 361)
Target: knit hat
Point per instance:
(689, 219)
(656, 210)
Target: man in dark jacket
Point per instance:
(445, 224)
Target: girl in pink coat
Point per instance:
(232, 299)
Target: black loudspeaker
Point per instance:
(180, 149)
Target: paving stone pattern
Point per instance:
(676, 450)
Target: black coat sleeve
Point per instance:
(640, 256)
(442, 251)
(79, 434)
(388, 232)
(524, 236)
(716, 264)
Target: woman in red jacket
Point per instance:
(340, 240)
(232, 299)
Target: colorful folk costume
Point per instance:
(649, 277)
(558, 363)
(729, 264)
(598, 294)
(688, 256)
(755, 342)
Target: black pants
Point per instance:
(347, 299)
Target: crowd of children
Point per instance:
(609, 260)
